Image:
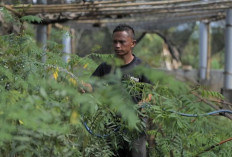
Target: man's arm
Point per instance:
(101, 70)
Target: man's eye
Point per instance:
(121, 42)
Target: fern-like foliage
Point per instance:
(42, 109)
(31, 19)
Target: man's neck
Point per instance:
(127, 59)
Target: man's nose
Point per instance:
(117, 44)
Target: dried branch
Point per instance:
(213, 146)
(11, 9)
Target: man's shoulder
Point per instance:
(143, 78)
(102, 69)
(104, 64)
(140, 61)
(137, 60)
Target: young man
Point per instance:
(123, 44)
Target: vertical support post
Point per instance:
(66, 46)
(41, 34)
(41, 1)
(66, 42)
(228, 53)
(203, 49)
(49, 29)
(73, 42)
(227, 89)
(208, 52)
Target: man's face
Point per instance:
(123, 43)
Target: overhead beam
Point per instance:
(104, 4)
(202, 14)
(35, 9)
(165, 11)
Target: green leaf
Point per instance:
(31, 18)
(43, 92)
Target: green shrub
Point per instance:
(42, 110)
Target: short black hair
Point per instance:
(125, 27)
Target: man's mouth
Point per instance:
(117, 51)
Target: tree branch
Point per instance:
(213, 146)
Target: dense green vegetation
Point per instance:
(43, 107)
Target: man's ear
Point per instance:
(133, 43)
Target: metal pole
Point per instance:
(66, 46)
(66, 41)
(68, 1)
(228, 53)
(73, 40)
(41, 34)
(203, 49)
(41, 1)
(208, 52)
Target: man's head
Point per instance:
(123, 40)
(127, 28)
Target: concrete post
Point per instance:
(66, 46)
(228, 53)
(41, 34)
(203, 49)
(66, 41)
(227, 89)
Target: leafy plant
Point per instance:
(43, 108)
(30, 19)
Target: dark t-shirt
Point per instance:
(127, 70)
(128, 73)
